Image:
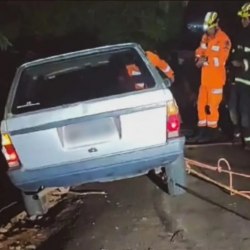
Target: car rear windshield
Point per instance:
(81, 78)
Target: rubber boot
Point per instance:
(246, 136)
(210, 135)
(247, 145)
(237, 137)
(200, 134)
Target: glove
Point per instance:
(237, 63)
(200, 61)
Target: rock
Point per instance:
(33, 217)
(18, 248)
(8, 226)
(1, 245)
(79, 202)
(63, 190)
(39, 217)
(144, 219)
(2, 237)
(20, 217)
(3, 230)
(30, 247)
(116, 228)
(15, 230)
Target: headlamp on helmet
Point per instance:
(211, 21)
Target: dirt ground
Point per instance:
(136, 214)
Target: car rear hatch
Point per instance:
(71, 122)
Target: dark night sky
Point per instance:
(229, 21)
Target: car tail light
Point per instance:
(173, 120)
(9, 152)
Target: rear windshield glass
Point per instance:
(81, 78)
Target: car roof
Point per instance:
(80, 53)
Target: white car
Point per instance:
(81, 117)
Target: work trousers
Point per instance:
(209, 100)
(239, 108)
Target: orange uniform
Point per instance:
(161, 64)
(133, 70)
(213, 76)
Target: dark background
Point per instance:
(39, 28)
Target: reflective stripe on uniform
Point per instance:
(217, 91)
(247, 82)
(203, 46)
(135, 73)
(167, 69)
(246, 49)
(215, 48)
(216, 62)
(202, 123)
(245, 61)
(212, 124)
(139, 86)
(237, 135)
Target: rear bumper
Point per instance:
(105, 169)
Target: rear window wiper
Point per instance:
(58, 72)
(28, 104)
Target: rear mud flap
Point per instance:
(176, 177)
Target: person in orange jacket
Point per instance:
(156, 61)
(211, 57)
(160, 64)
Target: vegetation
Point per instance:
(149, 22)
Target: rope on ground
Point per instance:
(8, 206)
(61, 191)
(219, 169)
(88, 193)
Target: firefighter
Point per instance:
(239, 103)
(161, 64)
(211, 57)
(156, 61)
